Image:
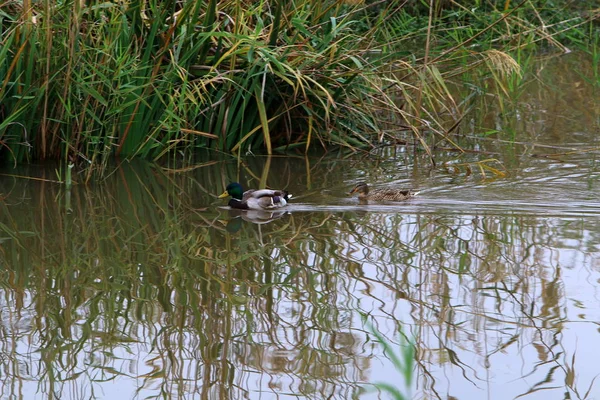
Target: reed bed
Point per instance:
(84, 81)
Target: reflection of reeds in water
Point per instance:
(137, 268)
(142, 281)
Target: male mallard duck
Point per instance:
(262, 199)
(386, 194)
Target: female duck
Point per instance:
(262, 199)
(385, 194)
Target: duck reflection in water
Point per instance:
(254, 216)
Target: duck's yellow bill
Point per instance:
(223, 195)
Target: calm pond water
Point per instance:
(146, 286)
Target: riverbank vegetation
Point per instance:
(83, 81)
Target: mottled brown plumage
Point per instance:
(384, 194)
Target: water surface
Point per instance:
(145, 285)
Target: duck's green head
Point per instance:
(234, 190)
